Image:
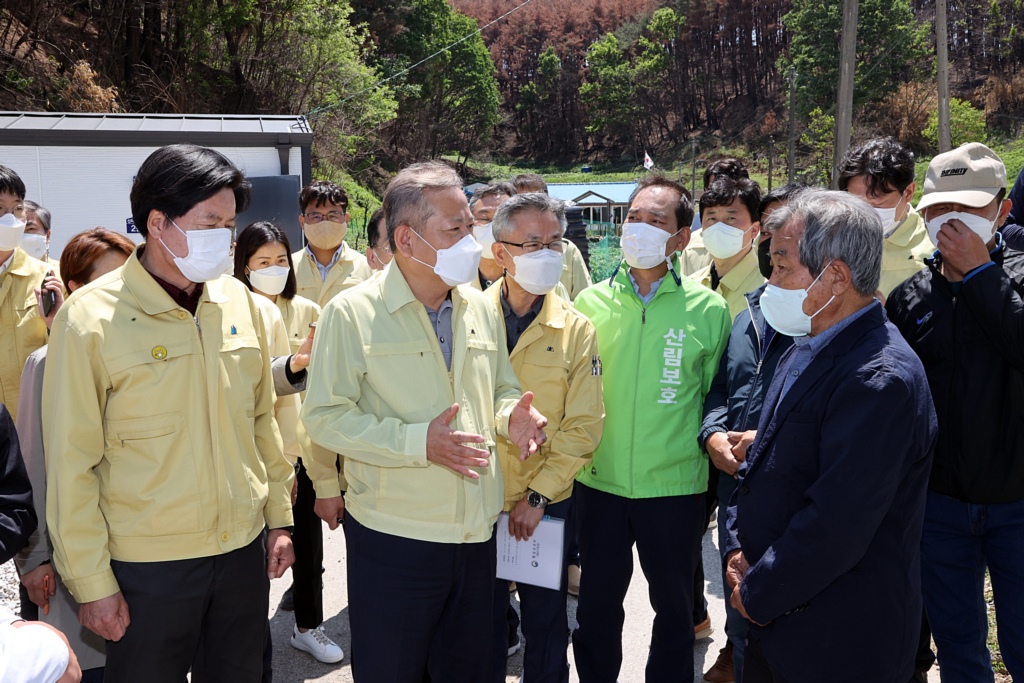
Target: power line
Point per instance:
(320, 110)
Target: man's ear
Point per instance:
(1004, 211)
(842, 277)
(403, 240)
(156, 223)
(683, 238)
(753, 231)
(499, 254)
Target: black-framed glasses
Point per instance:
(557, 246)
(316, 216)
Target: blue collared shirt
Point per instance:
(806, 349)
(322, 268)
(646, 298)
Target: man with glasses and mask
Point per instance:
(165, 467)
(414, 385)
(21, 317)
(661, 337)
(881, 172)
(553, 350)
(327, 266)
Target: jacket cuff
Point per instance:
(549, 485)
(278, 515)
(327, 488)
(93, 588)
(706, 433)
(415, 446)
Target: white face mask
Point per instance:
(270, 280)
(209, 253)
(35, 246)
(784, 308)
(11, 231)
(484, 234)
(458, 264)
(325, 234)
(537, 272)
(643, 245)
(724, 241)
(979, 225)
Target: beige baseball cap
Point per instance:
(972, 175)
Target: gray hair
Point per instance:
(42, 214)
(837, 225)
(501, 224)
(405, 202)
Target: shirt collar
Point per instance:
(7, 264)
(338, 254)
(905, 232)
(816, 343)
(734, 279)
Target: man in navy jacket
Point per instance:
(825, 527)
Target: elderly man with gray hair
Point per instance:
(414, 385)
(824, 529)
(553, 350)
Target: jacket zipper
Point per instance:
(639, 354)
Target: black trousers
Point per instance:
(756, 668)
(208, 614)
(667, 534)
(545, 622)
(418, 610)
(700, 603)
(308, 539)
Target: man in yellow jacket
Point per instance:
(413, 385)
(326, 266)
(881, 172)
(22, 328)
(165, 465)
(553, 350)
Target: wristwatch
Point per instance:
(536, 500)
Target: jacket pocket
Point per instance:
(150, 487)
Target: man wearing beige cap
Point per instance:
(964, 316)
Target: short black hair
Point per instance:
(684, 209)
(175, 178)
(529, 182)
(725, 190)
(729, 166)
(254, 236)
(320, 192)
(373, 227)
(11, 182)
(781, 194)
(887, 166)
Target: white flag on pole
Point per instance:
(648, 161)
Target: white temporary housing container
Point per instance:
(81, 166)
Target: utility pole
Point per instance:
(792, 124)
(771, 159)
(844, 107)
(693, 178)
(942, 57)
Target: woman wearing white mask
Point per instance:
(263, 263)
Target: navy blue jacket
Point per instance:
(17, 515)
(830, 507)
(734, 402)
(1013, 229)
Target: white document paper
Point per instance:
(538, 561)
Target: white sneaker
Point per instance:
(315, 642)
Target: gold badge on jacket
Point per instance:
(159, 352)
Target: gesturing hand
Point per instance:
(444, 446)
(300, 359)
(526, 427)
(107, 617)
